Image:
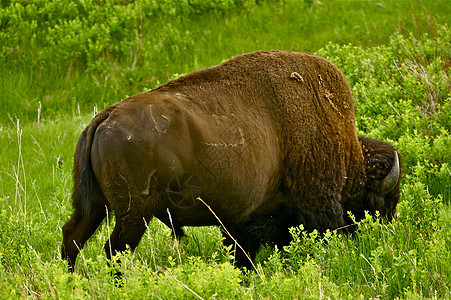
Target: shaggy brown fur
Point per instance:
(267, 139)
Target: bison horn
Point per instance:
(390, 181)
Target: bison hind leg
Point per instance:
(127, 233)
(78, 230)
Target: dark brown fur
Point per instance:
(267, 139)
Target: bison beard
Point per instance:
(266, 139)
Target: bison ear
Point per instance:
(391, 180)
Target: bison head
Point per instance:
(382, 168)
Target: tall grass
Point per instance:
(62, 63)
(398, 65)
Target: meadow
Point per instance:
(62, 61)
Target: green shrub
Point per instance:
(403, 95)
(89, 31)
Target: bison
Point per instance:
(267, 140)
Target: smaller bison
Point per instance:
(266, 139)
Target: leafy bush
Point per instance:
(403, 94)
(90, 31)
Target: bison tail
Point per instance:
(84, 180)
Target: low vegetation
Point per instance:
(61, 61)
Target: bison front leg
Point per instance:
(240, 240)
(323, 213)
(77, 231)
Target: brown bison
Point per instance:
(266, 139)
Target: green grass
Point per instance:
(396, 56)
(63, 76)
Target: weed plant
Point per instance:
(60, 64)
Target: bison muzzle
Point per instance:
(267, 140)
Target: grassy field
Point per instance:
(63, 61)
